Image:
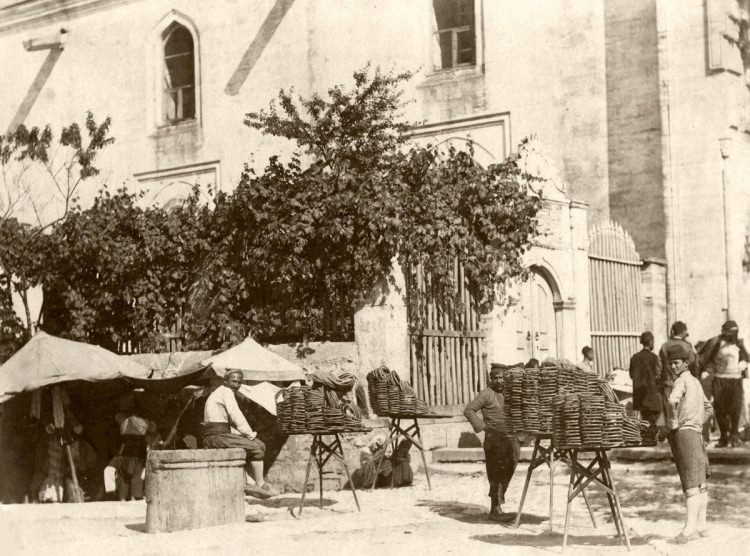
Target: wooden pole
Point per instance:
(77, 497)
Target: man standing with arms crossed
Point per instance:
(500, 450)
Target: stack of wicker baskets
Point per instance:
(390, 396)
(307, 410)
(591, 421)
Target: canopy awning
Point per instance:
(46, 360)
(256, 363)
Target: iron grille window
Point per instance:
(455, 34)
(179, 75)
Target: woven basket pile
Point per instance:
(528, 395)
(592, 421)
(390, 396)
(306, 410)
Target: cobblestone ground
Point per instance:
(449, 519)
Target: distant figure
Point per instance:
(645, 372)
(395, 468)
(678, 337)
(587, 363)
(501, 451)
(690, 409)
(130, 465)
(532, 363)
(225, 426)
(725, 358)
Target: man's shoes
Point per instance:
(736, 442)
(703, 533)
(257, 492)
(269, 489)
(722, 443)
(682, 538)
(500, 517)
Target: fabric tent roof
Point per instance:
(256, 363)
(171, 371)
(160, 366)
(46, 360)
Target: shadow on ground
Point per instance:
(654, 494)
(472, 513)
(289, 502)
(138, 527)
(554, 539)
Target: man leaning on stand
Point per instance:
(500, 450)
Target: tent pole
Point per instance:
(76, 489)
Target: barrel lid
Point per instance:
(207, 455)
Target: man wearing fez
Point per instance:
(500, 450)
(678, 337)
(226, 427)
(725, 358)
(645, 371)
(690, 409)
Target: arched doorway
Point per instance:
(537, 331)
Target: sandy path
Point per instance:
(450, 519)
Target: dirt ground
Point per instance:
(449, 519)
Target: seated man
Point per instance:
(220, 412)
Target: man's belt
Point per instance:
(216, 428)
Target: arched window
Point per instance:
(179, 74)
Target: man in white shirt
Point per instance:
(690, 409)
(226, 427)
(726, 359)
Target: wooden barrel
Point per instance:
(188, 489)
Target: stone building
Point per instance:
(677, 118)
(177, 78)
(642, 109)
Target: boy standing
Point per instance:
(690, 409)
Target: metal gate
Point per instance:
(446, 341)
(615, 295)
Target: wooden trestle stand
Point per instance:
(596, 473)
(321, 451)
(412, 433)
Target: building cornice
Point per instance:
(31, 13)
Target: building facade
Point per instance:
(178, 76)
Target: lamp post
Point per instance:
(725, 147)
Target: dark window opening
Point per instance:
(456, 35)
(179, 75)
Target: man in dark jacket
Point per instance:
(500, 450)
(645, 371)
(725, 358)
(678, 337)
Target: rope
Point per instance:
(343, 381)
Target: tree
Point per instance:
(123, 272)
(40, 181)
(325, 226)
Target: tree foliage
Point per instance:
(40, 180)
(324, 228)
(296, 240)
(121, 272)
